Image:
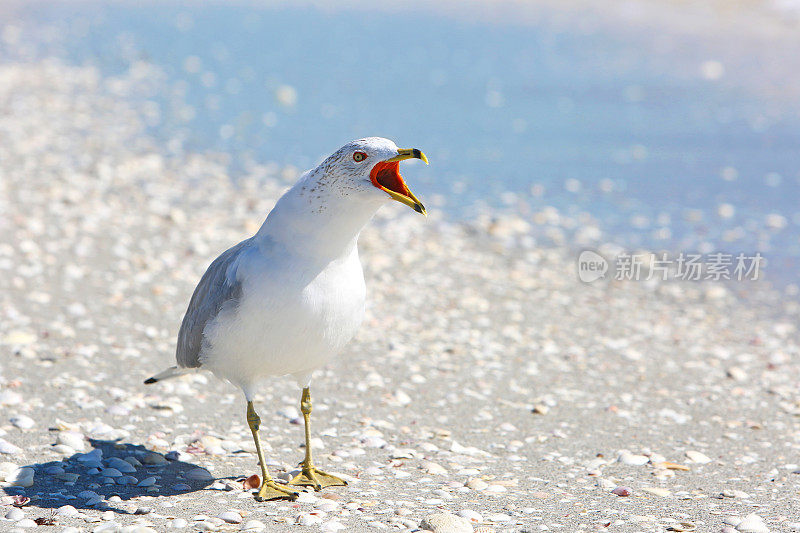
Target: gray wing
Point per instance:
(217, 287)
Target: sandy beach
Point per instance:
(488, 381)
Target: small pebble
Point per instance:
(308, 519)
(8, 448)
(429, 467)
(66, 510)
(178, 523)
(22, 421)
(231, 517)
(10, 397)
(199, 474)
(752, 523)
(21, 477)
(63, 449)
(154, 459)
(657, 491)
(69, 477)
(477, 484)
(121, 465)
(633, 459)
(470, 515)
(446, 523)
(15, 514)
(73, 439)
(698, 457)
(110, 472)
(622, 491)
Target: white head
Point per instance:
(367, 168)
(327, 208)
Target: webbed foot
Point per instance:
(311, 477)
(270, 490)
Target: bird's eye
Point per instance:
(358, 157)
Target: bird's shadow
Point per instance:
(55, 483)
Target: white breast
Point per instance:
(288, 321)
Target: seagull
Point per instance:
(289, 298)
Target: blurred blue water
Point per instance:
(497, 108)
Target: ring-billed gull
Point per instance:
(290, 297)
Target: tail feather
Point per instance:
(171, 372)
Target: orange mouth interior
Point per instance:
(386, 174)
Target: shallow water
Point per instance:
(660, 149)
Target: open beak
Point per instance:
(385, 175)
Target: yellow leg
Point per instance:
(310, 476)
(270, 490)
